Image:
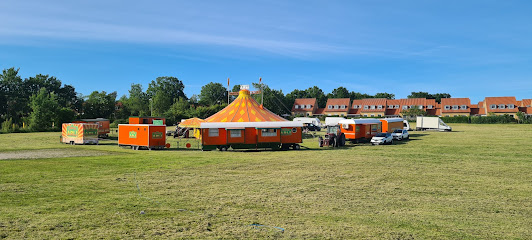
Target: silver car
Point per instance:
(400, 134)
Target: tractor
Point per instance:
(334, 137)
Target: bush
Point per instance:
(493, 119)
(118, 121)
(457, 119)
(8, 126)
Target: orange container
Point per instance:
(142, 135)
(103, 125)
(390, 124)
(355, 129)
(146, 120)
(79, 133)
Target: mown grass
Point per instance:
(473, 183)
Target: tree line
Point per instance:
(43, 102)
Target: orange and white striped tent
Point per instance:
(244, 109)
(191, 122)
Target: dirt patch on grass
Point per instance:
(49, 153)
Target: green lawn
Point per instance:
(474, 183)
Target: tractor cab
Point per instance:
(333, 138)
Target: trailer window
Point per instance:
(213, 132)
(235, 133)
(269, 132)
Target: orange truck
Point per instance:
(251, 135)
(147, 120)
(147, 136)
(103, 125)
(391, 124)
(359, 129)
(79, 133)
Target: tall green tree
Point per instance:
(12, 96)
(340, 92)
(44, 108)
(100, 105)
(163, 91)
(138, 102)
(357, 95)
(385, 95)
(316, 92)
(436, 96)
(179, 110)
(213, 93)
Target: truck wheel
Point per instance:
(342, 140)
(223, 148)
(296, 147)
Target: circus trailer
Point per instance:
(103, 125)
(147, 120)
(147, 136)
(251, 135)
(359, 129)
(79, 133)
(391, 124)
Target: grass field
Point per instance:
(474, 183)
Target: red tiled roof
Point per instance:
(526, 103)
(526, 110)
(337, 101)
(319, 111)
(374, 102)
(455, 102)
(393, 102)
(392, 112)
(357, 102)
(414, 101)
(478, 111)
(354, 111)
(304, 101)
(501, 100)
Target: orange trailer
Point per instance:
(359, 129)
(251, 135)
(390, 124)
(147, 120)
(79, 133)
(103, 125)
(146, 136)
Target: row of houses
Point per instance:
(382, 107)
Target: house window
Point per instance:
(429, 107)
(309, 106)
(447, 107)
(455, 107)
(502, 106)
(447, 115)
(464, 107)
(302, 106)
(342, 107)
(420, 106)
(390, 106)
(405, 107)
(372, 106)
(379, 115)
(213, 132)
(372, 115)
(379, 107)
(269, 132)
(336, 106)
(396, 106)
(510, 106)
(493, 106)
(355, 106)
(366, 107)
(296, 106)
(329, 107)
(235, 133)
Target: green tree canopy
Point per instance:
(213, 93)
(385, 95)
(164, 91)
(100, 105)
(44, 110)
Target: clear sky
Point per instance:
(466, 48)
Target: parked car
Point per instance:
(311, 127)
(400, 134)
(382, 138)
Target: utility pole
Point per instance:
(261, 92)
(228, 90)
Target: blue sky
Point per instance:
(466, 48)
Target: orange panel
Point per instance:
(291, 135)
(251, 136)
(235, 139)
(268, 139)
(137, 135)
(221, 139)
